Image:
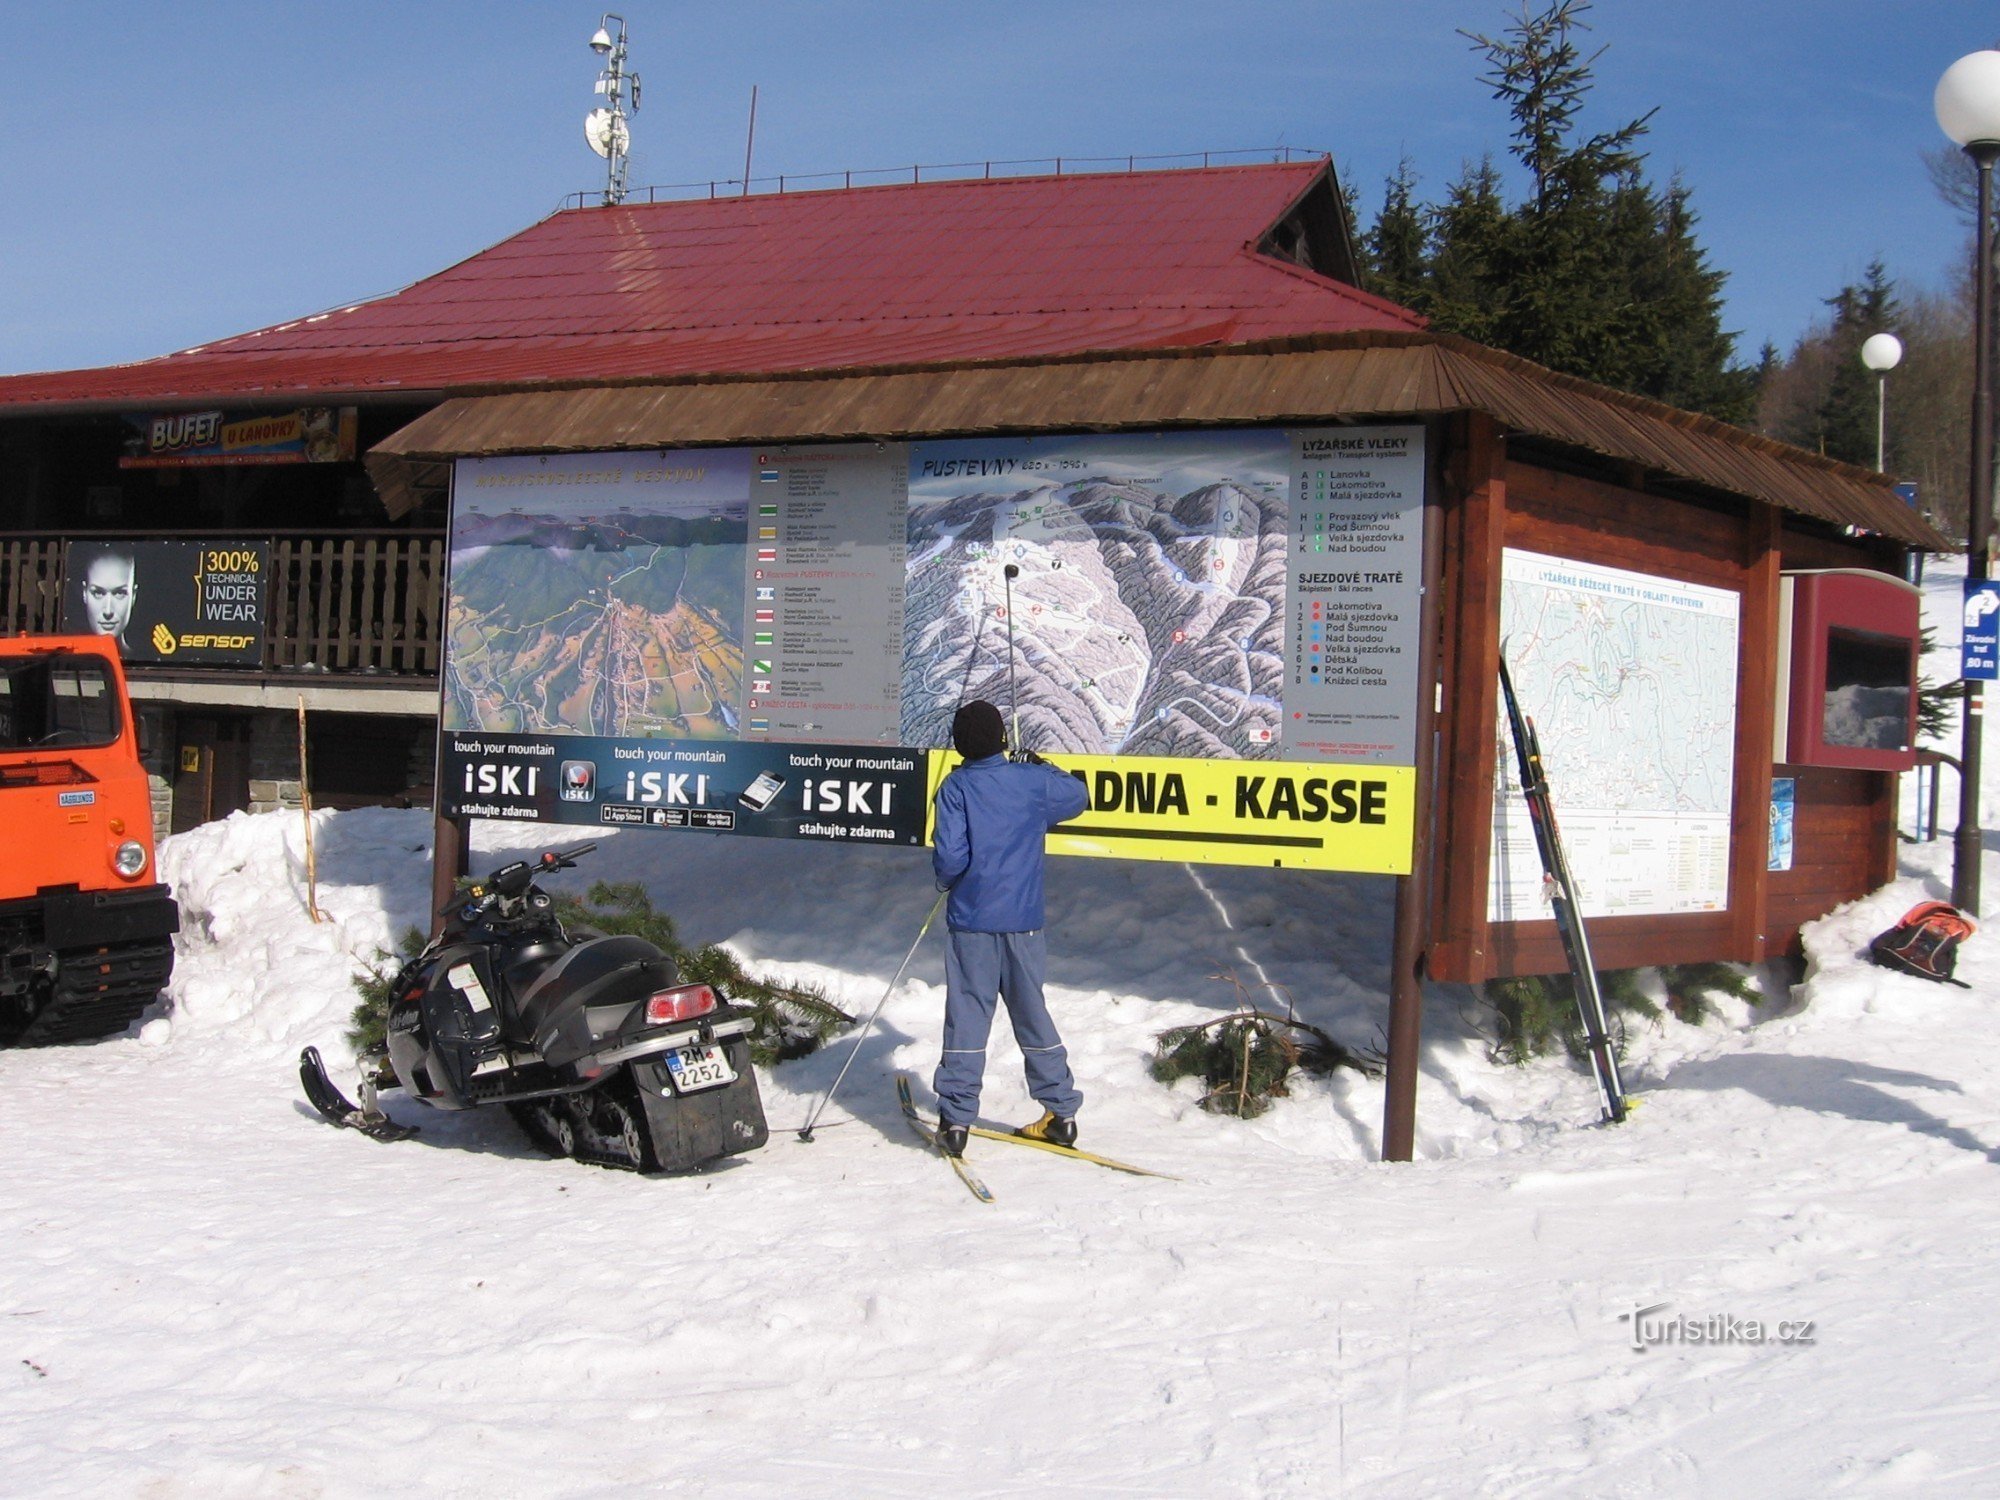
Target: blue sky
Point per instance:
(175, 173)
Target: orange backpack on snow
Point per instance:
(1925, 943)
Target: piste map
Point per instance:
(1148, 612)
(624, 621)
(1631, 681)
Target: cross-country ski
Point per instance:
(1013, 1139)
(927, 1133)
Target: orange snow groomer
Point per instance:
(86, 928)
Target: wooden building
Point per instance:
(1149, 301)
(1525, 458)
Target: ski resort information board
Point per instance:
(1216, 631)
(1631, 682)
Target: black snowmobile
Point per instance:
(593, 1043)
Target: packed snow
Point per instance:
(206, 1291)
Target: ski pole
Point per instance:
(1010, 573)
(806, 1133)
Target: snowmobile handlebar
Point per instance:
(511, 882)
(514, 879)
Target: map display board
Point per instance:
(825, 621)
(598, 594)
(1151, 609)
(1356, 558)
(1631, 681)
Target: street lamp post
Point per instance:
(1968, 110)
(1881, 352)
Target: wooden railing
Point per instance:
(31, 580)
(351, 602)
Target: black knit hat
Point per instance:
(977, 732)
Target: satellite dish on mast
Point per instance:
(606, 132)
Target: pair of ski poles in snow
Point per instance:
(1009, 573)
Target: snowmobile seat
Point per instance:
(592, 973)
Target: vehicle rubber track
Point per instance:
(98, 994)
(602, 1127)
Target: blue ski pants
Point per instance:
(979, 969)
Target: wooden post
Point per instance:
(1412, 923)
(451, 852)
(1469, 604)
(1757, 694)
(306, 808)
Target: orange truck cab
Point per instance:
(86, 929)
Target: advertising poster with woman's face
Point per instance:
(109, 581)
(189, 603)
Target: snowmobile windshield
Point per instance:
(57, 700)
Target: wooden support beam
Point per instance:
(1757, 708)
(1469, 599)
(1412, 922)
(451, 852)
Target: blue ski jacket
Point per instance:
(991, 817)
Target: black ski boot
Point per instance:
(951, 1139)
(1052, 1128)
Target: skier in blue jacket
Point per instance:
(992, 814)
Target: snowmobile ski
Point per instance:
(1559, 890)
(337, 1109)
(965, 1174)
(1071, 1152)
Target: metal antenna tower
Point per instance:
(604, 127)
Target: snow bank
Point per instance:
(1135, 949)
(253, 970)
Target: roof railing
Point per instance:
(958, 171)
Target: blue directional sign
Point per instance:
(1980, 657)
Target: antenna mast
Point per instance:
(604, 127)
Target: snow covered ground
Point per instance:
(204, 1291)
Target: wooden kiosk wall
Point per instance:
(1844, 820)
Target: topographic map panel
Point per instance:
(598, 594)
(1149, 610)
(1631, 681)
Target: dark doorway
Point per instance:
(211, 767)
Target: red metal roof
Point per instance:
(905, 274)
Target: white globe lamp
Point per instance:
(1967, 100)
(1881, 352)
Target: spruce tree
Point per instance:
(1683, 356)
(1468, 240)
(1845, 419)
(1595, 273)
(1395, 247)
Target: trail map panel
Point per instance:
(1631, 681)
(824, 608)
(773, 640)
(1356, 565)
(598, 594)
(1166, 603)
(1149, 611)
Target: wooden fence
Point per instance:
(358, 602)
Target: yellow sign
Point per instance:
(1299, 815)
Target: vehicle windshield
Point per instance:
(56, 700)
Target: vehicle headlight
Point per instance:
(130, 858)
